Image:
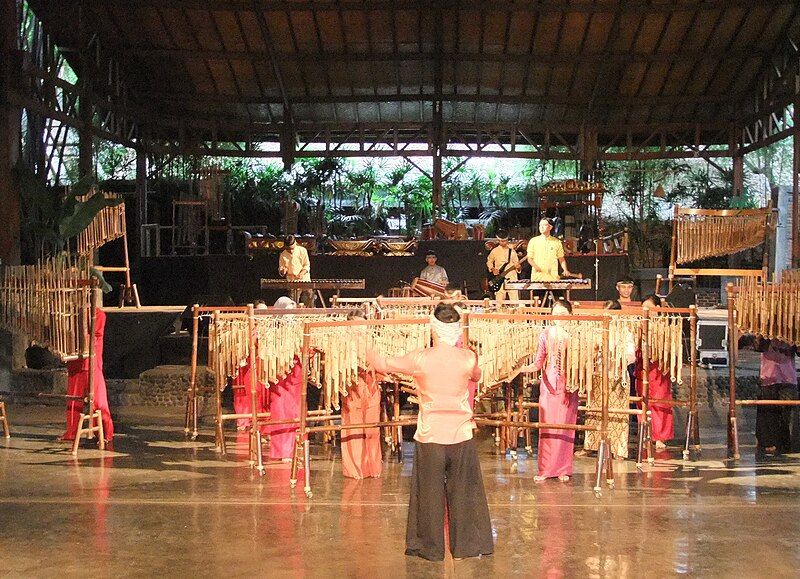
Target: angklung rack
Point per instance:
(109, 224)
(234, 335)
(701, 233)
(54, 304)
(417, 335)
(770, 309)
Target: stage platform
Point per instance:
(160, 506)
(182, 280)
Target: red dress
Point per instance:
(78, 385)
(662, 422)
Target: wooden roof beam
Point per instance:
(538, 6)
(547, 59)
(207, 99)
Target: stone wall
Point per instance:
(167, 386)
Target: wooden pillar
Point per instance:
(796, 187)
(10, 118)
(437, 182)
(85, 107)
(738, 175)
(436, 148)
(588, 151)
(141, 201)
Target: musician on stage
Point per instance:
(625, 289)
(294, 265)
(503, 258)
(432, 272)
(545, 253)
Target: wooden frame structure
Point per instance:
(714, 247)
(572, 195)
(790, 317)
(379, 79)
(52, 304)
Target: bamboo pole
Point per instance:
(733, 436)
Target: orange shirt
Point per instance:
(442, 374)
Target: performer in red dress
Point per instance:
(661, 419)
(241, 391)
(78, 385)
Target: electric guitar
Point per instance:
(496, 282)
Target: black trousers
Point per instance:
(448, 476)
(773, 423)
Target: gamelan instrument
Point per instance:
(314, 284)
(422, 288)
(559, 284)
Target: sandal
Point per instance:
(564, 478)
(539, 478)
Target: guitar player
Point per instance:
(503, 259)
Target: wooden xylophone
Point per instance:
(314, 284)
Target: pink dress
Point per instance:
(361, 447)
(556, 406)
(241, 397)
(284, 403)
(661, 419)
(78, 385)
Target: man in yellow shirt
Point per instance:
(504, 257)
(294, 265)
(545, 252)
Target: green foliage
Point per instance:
(51, 218)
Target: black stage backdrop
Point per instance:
(182, 280)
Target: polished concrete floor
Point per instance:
(161, 506)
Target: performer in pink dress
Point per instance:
(446, 476)
(361, 447)
(78, 385)
(284, 404)
(557, 403)
(662, 427)
(241, 389)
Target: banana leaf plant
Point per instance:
(52, 219)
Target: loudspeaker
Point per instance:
(681, 296)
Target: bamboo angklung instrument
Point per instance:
(701, 233)
(771, 310)
(276, 340)
(46, 302)
(585, 332)
(109, 224)
(343, 344)
(665, 349)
